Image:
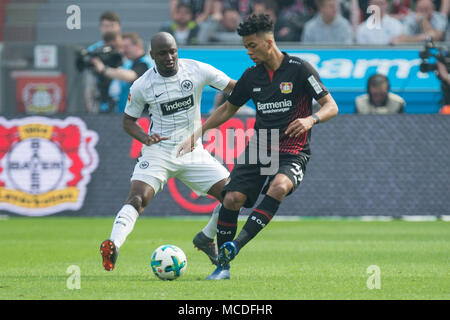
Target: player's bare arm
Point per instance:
(133, 129)
(229, 88)
(328, 110)
(219, 116)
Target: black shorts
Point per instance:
(247, 178)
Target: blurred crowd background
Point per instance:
(66, 42)
(215, 21)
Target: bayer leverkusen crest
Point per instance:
(45, 164)
(41, 98)
(286, 87)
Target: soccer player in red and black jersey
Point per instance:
(282, 88)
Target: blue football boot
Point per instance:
(227, 252)
(221, 273)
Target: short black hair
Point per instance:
(376, 80)
(255, 24)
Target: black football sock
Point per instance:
(226, 225)
(257, 220)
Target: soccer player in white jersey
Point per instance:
(172, 90)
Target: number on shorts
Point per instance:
(298, 173)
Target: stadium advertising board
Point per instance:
(345, 72)
(338, 68)
(45, 164)
(360, 166)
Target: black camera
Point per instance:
(107, 54)
(437, 53)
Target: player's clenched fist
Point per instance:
(154, 138)
(299, 126)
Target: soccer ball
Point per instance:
(168, 262)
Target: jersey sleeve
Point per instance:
(214, 77)
(311, 81)
(135, 102)
(240, 94)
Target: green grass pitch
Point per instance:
(306, 259)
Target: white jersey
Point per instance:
(174, 102)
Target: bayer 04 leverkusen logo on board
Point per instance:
(45, 164)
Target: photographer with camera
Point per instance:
(109, 22)
(443, 75)
(109, 54)
(122, 77)
(440, 66)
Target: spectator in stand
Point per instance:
(378, 99)
(223, 31)
(244, 7)
(328, 26)
(442, 6)
(400, 9)
(183, 28)
(423, 24)
(264, 7)
(370, 33)
(284, 29)
(298, 13)
(361, 6)
(201, 9)
(109, 22)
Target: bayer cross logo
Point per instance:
(186, 85)
(35, 165)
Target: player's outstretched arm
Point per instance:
(219, 116)
(328, 110)
(133, 129)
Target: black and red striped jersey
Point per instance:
(280, 97)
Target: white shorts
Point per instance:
(198, 170)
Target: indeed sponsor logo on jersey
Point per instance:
(177, 105)
(272, 107)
